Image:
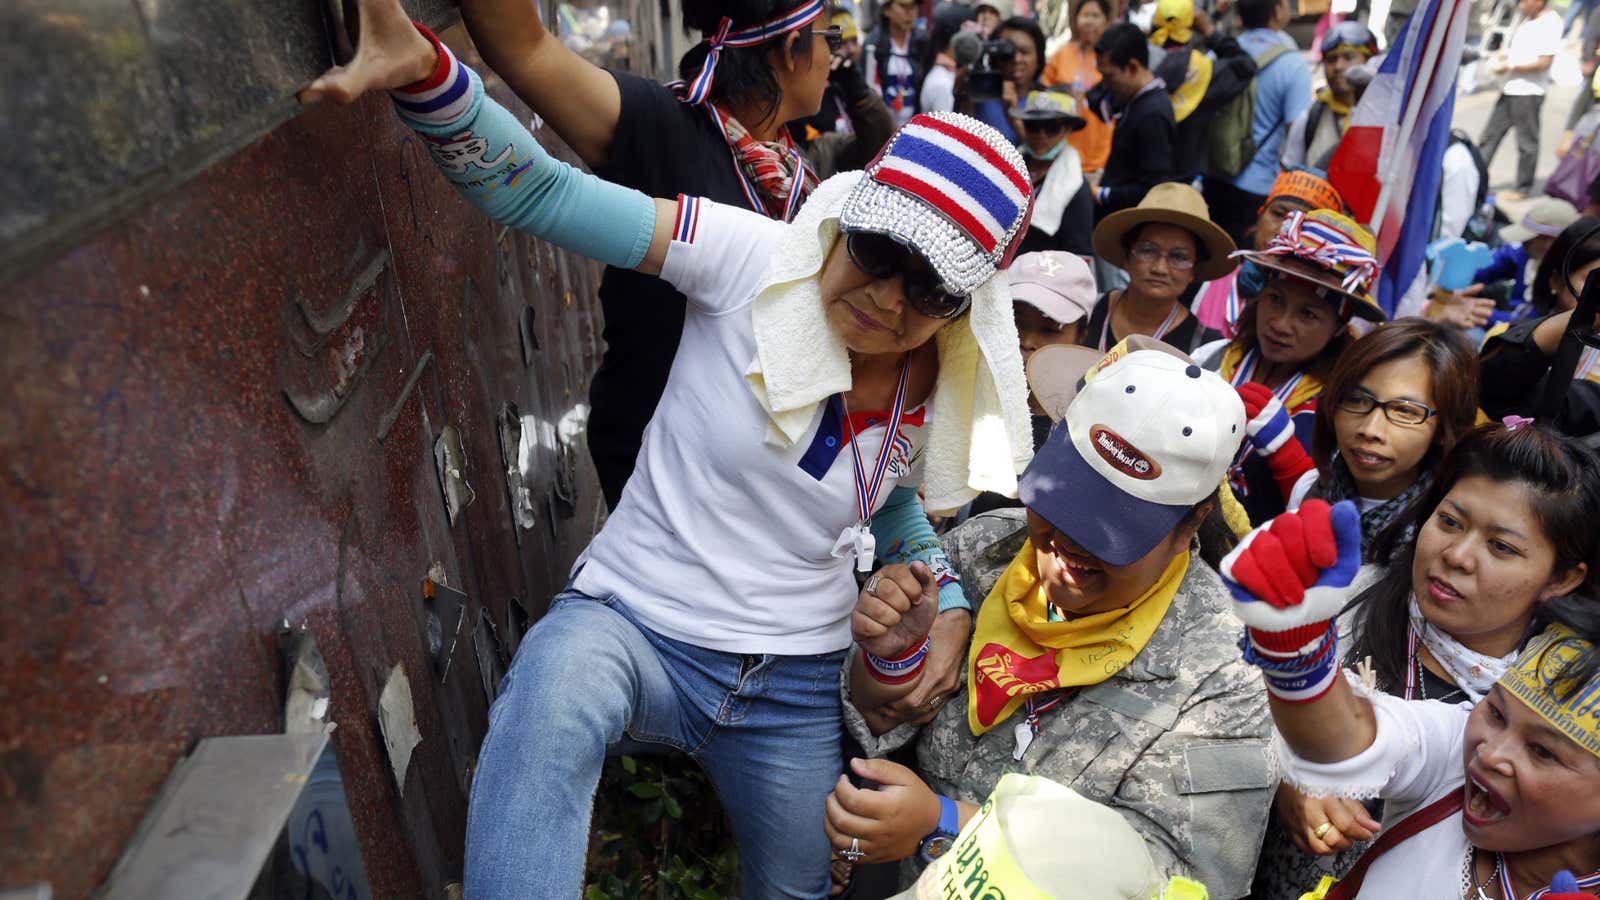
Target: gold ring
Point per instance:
(1322, 829)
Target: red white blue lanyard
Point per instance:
(867, 488)
(1162, 329)
(1247, 368)
(1028, 729)
(1233, 306)
(1036, 709)
(1507, 892)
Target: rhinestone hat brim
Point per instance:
(960, 263)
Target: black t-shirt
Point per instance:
(663, 147)
(1186, 336)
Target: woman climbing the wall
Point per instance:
(827, 367)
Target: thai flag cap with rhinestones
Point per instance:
(951, 188)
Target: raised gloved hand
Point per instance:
(1289, 579)
(1266, 423)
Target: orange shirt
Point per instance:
(1075, 67)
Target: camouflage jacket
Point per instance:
(1176, 742)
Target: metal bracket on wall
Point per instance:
(450, 459)
(527, 326)
(446, 611)
(517, 448)
(342, 353)
(306, 700)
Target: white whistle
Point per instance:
(1024, 733)
(866, 547)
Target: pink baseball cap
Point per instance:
(1058, 284)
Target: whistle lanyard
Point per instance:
(867, 488)
(1507, 892)
(1161, 330)
(1247, 367)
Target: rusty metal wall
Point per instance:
(220, 399)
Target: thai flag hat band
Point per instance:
(1330, 251)
(754, 36)
(952, 189)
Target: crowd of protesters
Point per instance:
(1000, 437)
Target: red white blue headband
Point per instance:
(753, 36)
(1318, 242)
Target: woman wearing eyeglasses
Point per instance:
(1164, 243)
(711, 614)
(1394, 405)
(720, 134)
(1315, 278)
(1505, 530)
(1063, 206)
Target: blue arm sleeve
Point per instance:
(904, 535)
(496, 163)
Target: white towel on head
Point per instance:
(979, 433)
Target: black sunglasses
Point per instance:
(1044, 126)
(834, 35)
(881, 256)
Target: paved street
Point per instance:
(1473, 111)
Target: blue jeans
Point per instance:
(589, 680)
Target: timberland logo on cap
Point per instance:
(1123, 456)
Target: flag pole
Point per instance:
(1413, 111)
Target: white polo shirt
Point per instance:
(722, 540)
(1531, 39)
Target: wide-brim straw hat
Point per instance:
(1170, 203)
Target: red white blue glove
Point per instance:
(1270, 432)
(1289, 579)
(1266, 421)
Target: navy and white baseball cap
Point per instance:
(1142, 435)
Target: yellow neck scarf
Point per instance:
(1017, 651)
(1342, 110)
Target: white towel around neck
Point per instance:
(1061, 183)
(979, 433)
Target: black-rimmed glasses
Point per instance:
(1360, 402)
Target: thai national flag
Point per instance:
(1398, 134)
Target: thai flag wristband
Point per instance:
(901, 669)
(1297, 675)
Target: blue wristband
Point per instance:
(949, 816)
(944, 834)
